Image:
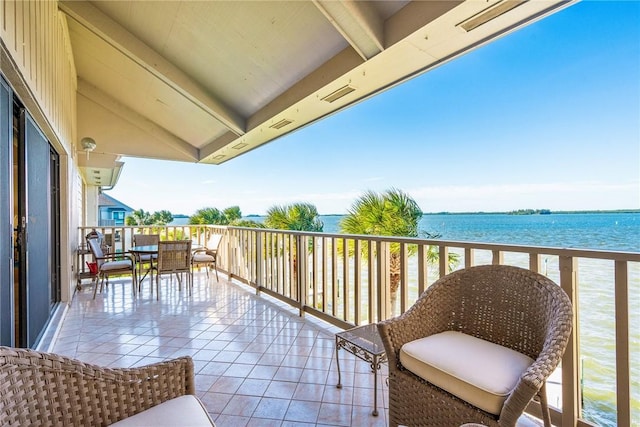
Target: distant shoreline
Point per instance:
(516, 212)
(513, 212)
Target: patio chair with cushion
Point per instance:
(477, 346)
(145, 261)
(207, 256)
(46, 389)
(110, 264)
(174, 257)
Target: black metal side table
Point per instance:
(364, 342)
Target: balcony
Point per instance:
(261, 359)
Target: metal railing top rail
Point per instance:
(504, 247)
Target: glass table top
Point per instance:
(365, 337)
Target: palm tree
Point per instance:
(209, 216)
(163, 217)
(392, 213)
(138, 217)
(296, 216)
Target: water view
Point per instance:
(596, 231)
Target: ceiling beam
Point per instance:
(118, 37)
(358, 23)
(155, 132)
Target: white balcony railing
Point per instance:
(345, 280)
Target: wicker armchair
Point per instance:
(509, 306)
(46, 389)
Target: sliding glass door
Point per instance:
(29, 225)
(7, 301)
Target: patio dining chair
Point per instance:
(208, 255)
(145, 261)
(174, 257)
(112, 264)
(476, 347)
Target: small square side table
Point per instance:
(363, 342)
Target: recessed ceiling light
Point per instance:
(239, 145)
(219, 157)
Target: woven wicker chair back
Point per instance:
(501, 304)
(45, 389)
(174, 256)
(145, 239)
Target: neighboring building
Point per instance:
(111, 211)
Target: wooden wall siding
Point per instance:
(36, 36)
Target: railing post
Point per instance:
(623, 369)
(535, 262)
(570, 361)
(357, 279)
(497, 257)
(302, 273)
(384, 293)
(423, 269)
(443, 258)
(259, 259)
(469, 257)
(230, 249)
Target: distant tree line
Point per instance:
(530, 212)
(142, 217)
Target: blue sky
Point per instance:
(547, 117)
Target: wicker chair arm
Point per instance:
(48, 389)
(533, 379)
(110, 257)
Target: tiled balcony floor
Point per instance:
(257, 363)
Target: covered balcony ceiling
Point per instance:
(206, 81)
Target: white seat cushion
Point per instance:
(116, 265)
(200, 257)
(477, 371)
(185, 411)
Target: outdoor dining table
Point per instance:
(138, 251)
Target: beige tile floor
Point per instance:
(257, 362)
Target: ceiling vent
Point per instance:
(335, 95)
(239, 145)
(490, 13)
(219, 157)
(282, 123)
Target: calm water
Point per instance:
(602, 231)
(618, 232)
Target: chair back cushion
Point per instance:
(96, 249)
(212, 243)
(477, 371)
